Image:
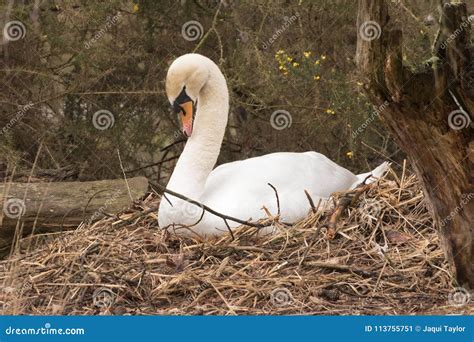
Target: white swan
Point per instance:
(197, 89)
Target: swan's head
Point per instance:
(186, 77)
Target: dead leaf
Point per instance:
(395, 236)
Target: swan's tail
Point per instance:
(373, 175)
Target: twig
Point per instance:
(230, 230)
(206, 208)
(340, 267)
(179, 141)
(347, 199)
(160, 167)
(200, 218)
(124, 176)
(409, 11)
(153, 164)
(89, 201)
(165, 149)
(167, 200)
(310, 200)
(123, 222)
(277, 198)
(223, 298)
(214, 22)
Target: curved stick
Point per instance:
(206, 208)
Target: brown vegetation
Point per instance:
(385, 259)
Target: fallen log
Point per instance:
(55, 206)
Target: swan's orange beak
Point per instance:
(187, 113)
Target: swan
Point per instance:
(197, 90)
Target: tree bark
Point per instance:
(429, 113)
(49, 207)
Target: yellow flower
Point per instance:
(280, 54)
(323, 57)
(289, 59)
(307, 54)
(349, 154)
(135, 8)
(295, 64)
(360, 84)
(317, 62)
(316, 78)
(330, 111)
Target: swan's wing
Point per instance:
(241, 188)
(286, 170)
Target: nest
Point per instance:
(385, 258)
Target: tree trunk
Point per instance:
(48, 207)
(429, 113)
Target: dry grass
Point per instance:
(385, 259)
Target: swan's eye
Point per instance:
(182, 98)
(177, 108)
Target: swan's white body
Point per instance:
(239, 189)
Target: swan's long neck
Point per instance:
(202, 149)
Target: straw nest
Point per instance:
(384, 259)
